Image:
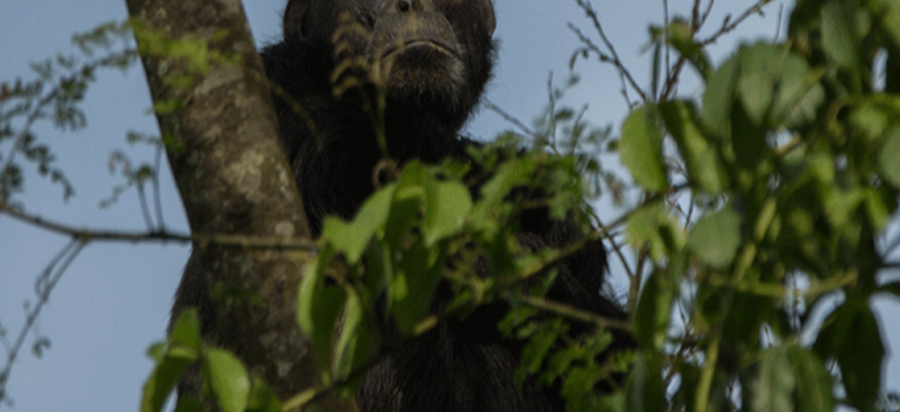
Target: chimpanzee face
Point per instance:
(437, 51)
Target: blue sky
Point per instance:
(114, 300)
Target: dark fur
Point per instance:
(460, 365)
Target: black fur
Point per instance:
(332, 147)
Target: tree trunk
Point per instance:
(234, 180)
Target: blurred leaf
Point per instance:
(755, 91)
(352, 238)
(774, 383)
(641, 149)
(839, 33)
(538, 347)
(355, 345)
(228, 380)
(319, 307)
(888, 12)
(718, 99)
(447, 204)
(262, 398)
(651, 317)
(681, 37)
(653, 227)
(186, 331)
(814, 386)
(716, 238)
(851, 334)
(700, 157)
(645, 389)
(415, 281)
(163, 380)
(187, 403)
(889, 157)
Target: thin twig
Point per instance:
(727, 28)
(624, 75)
(52, 273)
(90, 235)
(552, 113)
(509, 118)
(157, 198)
(572, 312)
(145, 208)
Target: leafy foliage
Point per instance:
(798, 143)
(765, 199)
(790, 163)
(54, 96)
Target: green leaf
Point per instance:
(228, 380)
(681, 36)
(652, 314)
(839, 33)
(889, 157)
(188, 403)
(641, 149)
(718, 99)
(511, 174)
(262, 398)
(716, 238)
(181, 351)
(800, 94)
(888, 13)
(813, 391)
(774, 383)
(355, 345)
(700, 157)
(415, 281)
(352, 238)
(755, 91)
(645, 390)
(162, 382)
(652, 226)
(748, 139)
(319, 307)
(446, 207)
(860, 359)
(538, 346)
(186, 331)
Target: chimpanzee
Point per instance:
(432, 58)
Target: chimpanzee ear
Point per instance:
(293, 19)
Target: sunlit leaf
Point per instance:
(355, 345)
(447, 204)
(228, 380)
(414, 284)
(352, 238)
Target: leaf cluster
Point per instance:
(800, 145)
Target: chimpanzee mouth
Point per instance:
(419, 45)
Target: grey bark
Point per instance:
(234, 180)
